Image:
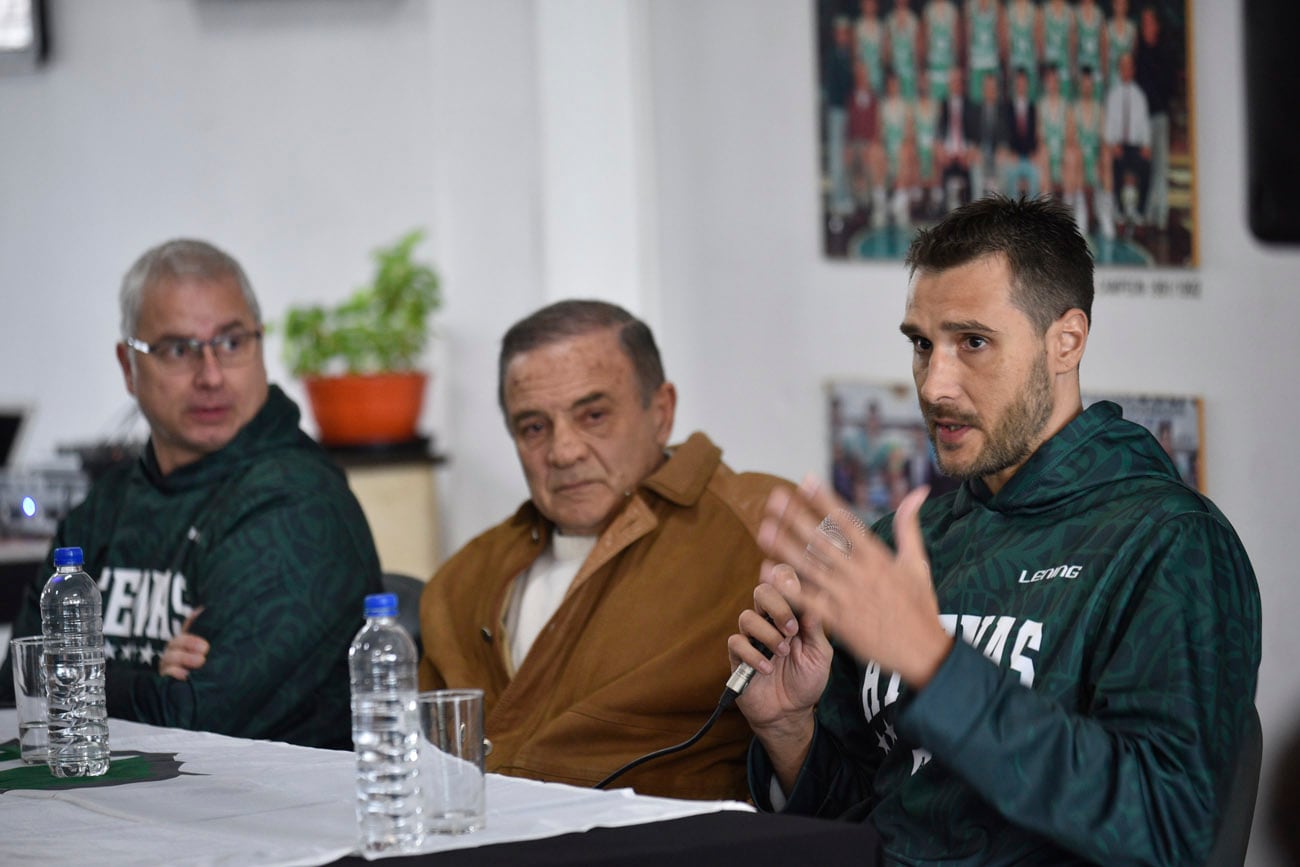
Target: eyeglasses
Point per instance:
(232, 349)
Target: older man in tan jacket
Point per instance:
(595, 619)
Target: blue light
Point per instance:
(29, 507)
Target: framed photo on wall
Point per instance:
(926, 104)
(880, 448)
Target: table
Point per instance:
(181, 797)
(704, 840)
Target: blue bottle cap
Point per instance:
(68, 557)
(381, 605)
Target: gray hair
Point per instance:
(565, 319)
(180, 257)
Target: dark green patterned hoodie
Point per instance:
(264, 535)
(1110, 641)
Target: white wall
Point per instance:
(489, 246)
(302, 133)
(299, 135)
(296, 135)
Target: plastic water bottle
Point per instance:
(382, 663)
(73, 626)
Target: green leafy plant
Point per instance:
(381, 328)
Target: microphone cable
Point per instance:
(735, 686)
(727, 700)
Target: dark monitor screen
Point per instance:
(1272, 95)
(11, 422)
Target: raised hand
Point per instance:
(879, 604)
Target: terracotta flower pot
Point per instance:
(366, 409)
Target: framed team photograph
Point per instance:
(927, 104)
(880, 449)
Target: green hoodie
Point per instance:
(267, 538)
(1110, 641)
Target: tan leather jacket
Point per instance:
(635, 658)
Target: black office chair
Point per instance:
(408, 590)
(1234, 828)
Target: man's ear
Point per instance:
(663, 405)
(124, 361)
(1066, 339)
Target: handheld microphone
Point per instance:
(744, 673)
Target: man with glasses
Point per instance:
(232, 557)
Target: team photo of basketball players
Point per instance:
(926, 104)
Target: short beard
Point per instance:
(1014, 439)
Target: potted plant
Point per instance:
(358, 359)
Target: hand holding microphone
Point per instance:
(879, 603)
(779, 705)
(877, 599)
(744, 672)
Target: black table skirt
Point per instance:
(748, 839)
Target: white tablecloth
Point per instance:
(240, 802)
